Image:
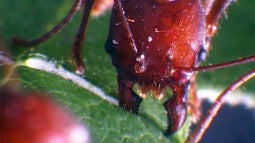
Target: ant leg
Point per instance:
(194, 101)
(212, 112)
(128, 99)
(6, 66)
(9, 80)
(207, 5)
(214, 10)
(78, 41)
(52, 32)
(176, 107)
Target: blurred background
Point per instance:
(235, 39)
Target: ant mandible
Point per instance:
(157, 44)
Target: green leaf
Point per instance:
(107, 122)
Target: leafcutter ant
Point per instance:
(157, 44)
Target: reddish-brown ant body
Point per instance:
(175, 39)
(157, 44)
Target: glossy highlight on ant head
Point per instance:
(165, 38)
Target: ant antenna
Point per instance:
(52, 32)
(220, 66)
(212, 112)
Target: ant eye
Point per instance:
(201, 54)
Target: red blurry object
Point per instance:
(35, 118)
